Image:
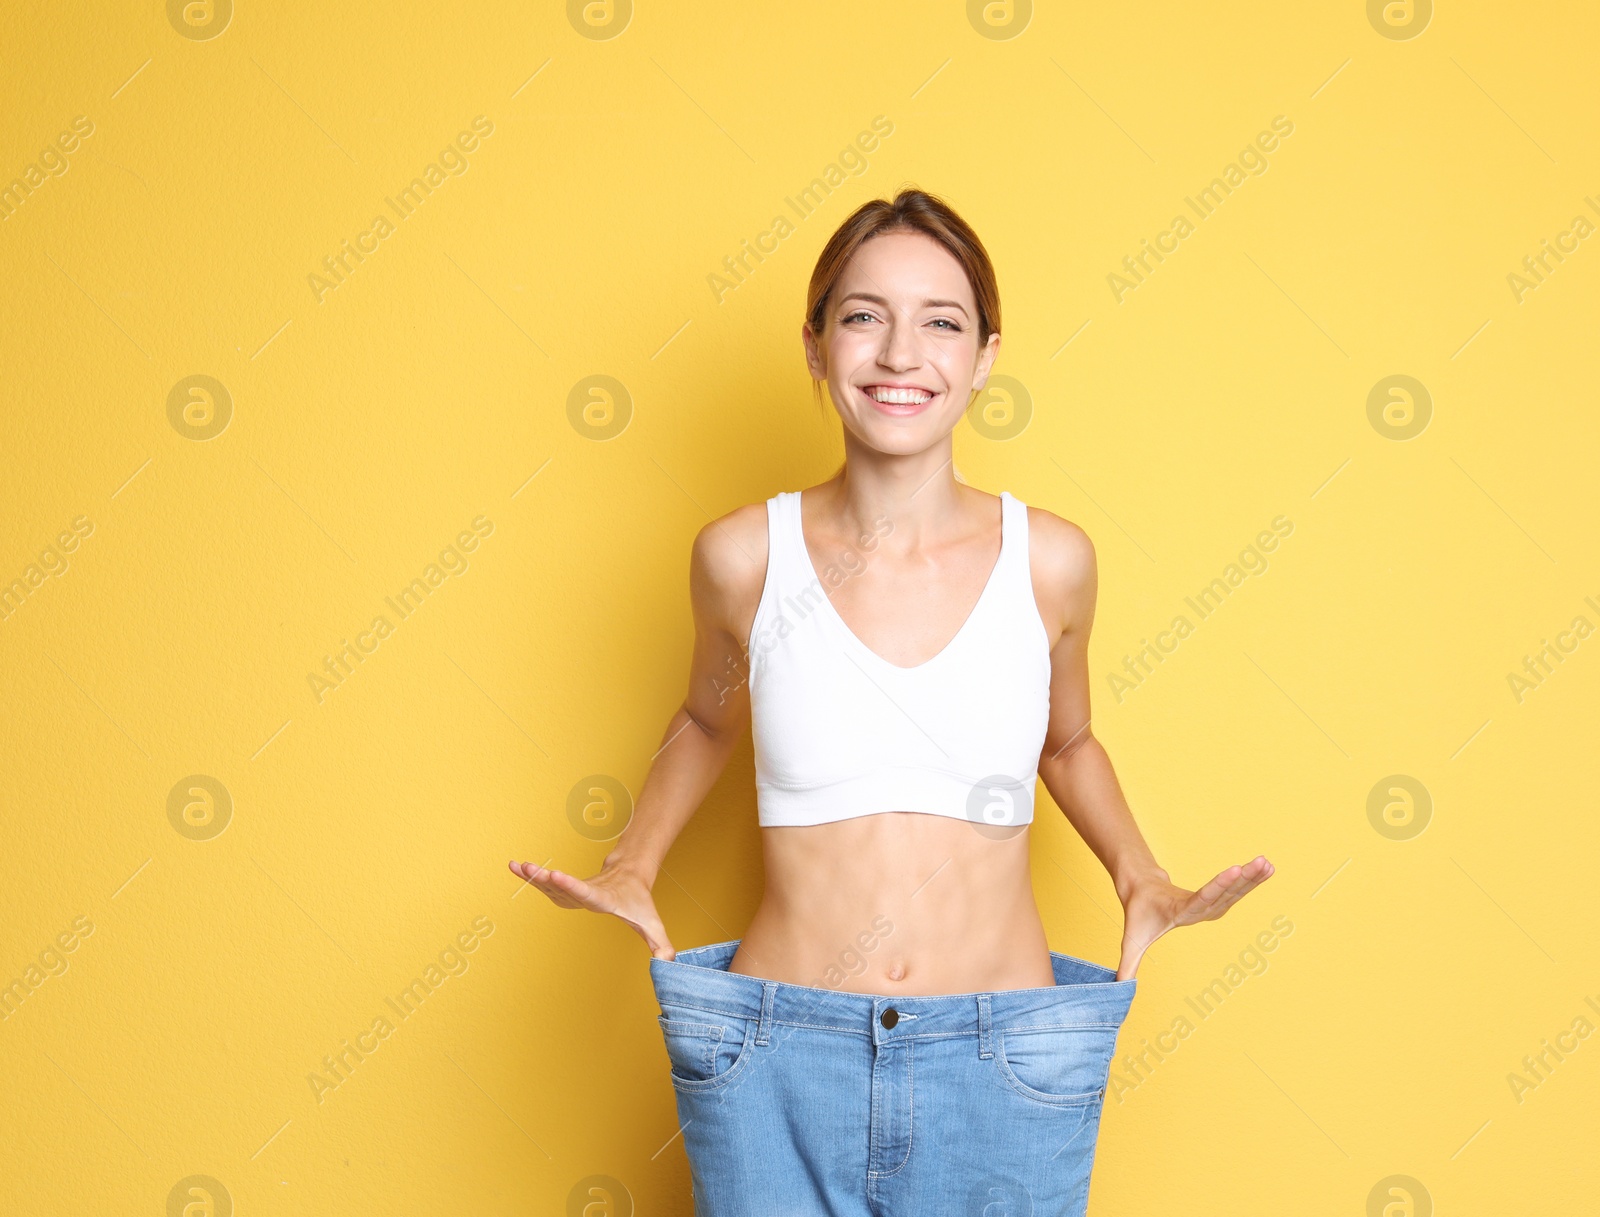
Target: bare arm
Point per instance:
(727, 568)
(724, 584)
(1074, 764)
(1076, 768)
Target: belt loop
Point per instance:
(985, 1029)
(769, 989)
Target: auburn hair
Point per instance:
(911, 210)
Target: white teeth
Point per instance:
(899, 397)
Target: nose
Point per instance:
(900, 351)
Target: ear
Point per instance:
(986, 358)
(816, 363)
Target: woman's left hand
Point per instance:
(1155, 905)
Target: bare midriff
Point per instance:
(897, 903)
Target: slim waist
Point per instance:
(1085, 995)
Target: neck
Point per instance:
(917, 492)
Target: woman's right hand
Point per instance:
(617, 890)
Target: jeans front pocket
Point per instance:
(1061, 1066)
(706, 1049)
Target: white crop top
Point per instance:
(840, 732)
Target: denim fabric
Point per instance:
(800, 1102)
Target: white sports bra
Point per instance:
(840, 732)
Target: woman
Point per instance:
(893, 1035)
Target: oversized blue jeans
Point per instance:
(805, 1102)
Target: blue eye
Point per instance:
(853, 316)
(946, 321)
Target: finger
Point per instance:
(1128, 964)
(1214, 888)
(1245, 878)
(1226, 903)
(1199, 905)
(1250, 876)
(1209, 902)
(1138, 936)
(1253, 876)
(656, 940)
(558, 897)
(523, 871)
(529, 871)
(655, 937)
(574, 889)
(653, 932)
(543, 879)
(1132, 954)
(1242, 890)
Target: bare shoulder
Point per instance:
(728, 568)
(1062, 559)
(1060, 552)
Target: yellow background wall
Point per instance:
(233, 531)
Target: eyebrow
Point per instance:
(956, 304)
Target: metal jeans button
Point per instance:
(890, 1017)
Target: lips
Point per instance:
(899, 399)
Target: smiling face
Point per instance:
(899, 344)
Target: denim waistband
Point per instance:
(1085, 995)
